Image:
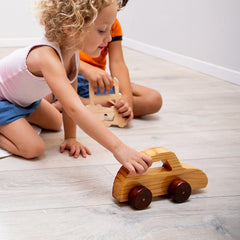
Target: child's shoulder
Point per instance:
(44, 49)
(39, 57)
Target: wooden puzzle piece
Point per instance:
(173, 178)
(108, 115)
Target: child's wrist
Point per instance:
(69, 137)
(117, 148)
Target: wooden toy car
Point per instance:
(108, 115)
(173, 178)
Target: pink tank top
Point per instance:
(18, 85)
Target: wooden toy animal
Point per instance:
(173, 178)
(108, 115)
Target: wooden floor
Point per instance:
(58, 197)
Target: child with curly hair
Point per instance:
(136, 100)
(51, 65)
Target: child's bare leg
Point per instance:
(145, 100)
(56, 103)
(46, 116)
(21, 139)
(59, 107)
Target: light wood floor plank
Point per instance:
(56, 197)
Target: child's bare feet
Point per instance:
(58, 105)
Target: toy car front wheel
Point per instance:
(140, 197)
(180, 190)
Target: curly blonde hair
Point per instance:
(57, 15)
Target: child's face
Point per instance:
(98, 35)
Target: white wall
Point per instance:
(18, 24)
(200, 34)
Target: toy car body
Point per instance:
(173, 177)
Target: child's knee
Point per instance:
(34, 149)
(155, 101)
(57, 124)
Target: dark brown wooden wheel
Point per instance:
(180, 190)
(140, 197)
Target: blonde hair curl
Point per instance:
(58, 15)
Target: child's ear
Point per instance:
(67, 29)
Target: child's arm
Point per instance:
(49, 65)
(70, 143)
(119, 69)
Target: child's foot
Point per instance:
(58, 106)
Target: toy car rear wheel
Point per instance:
(180, 190)
(140, 197)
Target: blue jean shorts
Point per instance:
(83, 87)
(10, 112)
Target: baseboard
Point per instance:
(195, 64)
(16, 42)
(198, 65)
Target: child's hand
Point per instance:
(75, 148)
(133, 161)
(99, 78)
(124, 110)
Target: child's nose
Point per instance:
(108, 37)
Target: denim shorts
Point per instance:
(83, 87)
(10, 112)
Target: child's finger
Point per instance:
(95, 86)
(147, 159)
(140, 167)
(126, 113)
(84, 151)
(62, 147)
(88, 151)
(130, 168)
(101, 86)
(108, 83)
(119, 104)
(72, 151)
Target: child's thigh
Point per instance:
(139, 90)
(146, 93)
(22, 135)
(46, 116)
